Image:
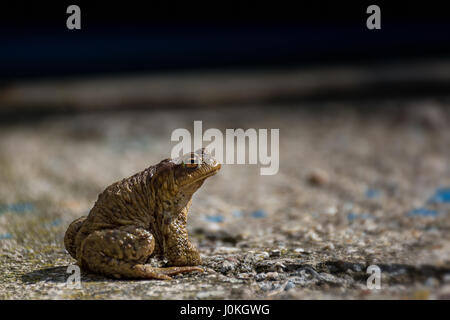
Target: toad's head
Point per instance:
(176, 180)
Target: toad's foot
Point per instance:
(122, 253)
(148, 272)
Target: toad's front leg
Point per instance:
(122, 253)
(178, 250)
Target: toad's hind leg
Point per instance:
(122, 253)
(71, 233)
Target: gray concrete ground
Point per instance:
(356, 187)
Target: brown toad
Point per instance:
(140, 217)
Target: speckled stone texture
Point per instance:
(360, 183)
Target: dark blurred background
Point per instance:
(288, 51)
(162, 36)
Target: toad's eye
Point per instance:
(191, 163)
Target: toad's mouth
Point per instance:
(203, 176)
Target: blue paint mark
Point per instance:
(56, 222)
(216, 219)
(422, 212)
(6, 236)
(373, 193)
(441, 195)
(237, 213)
(353, 216)
(16, 207)
(259, 214)
(53, 223)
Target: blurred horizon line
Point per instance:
(226, 87)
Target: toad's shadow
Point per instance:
(58, 275)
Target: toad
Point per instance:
(142, 217)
